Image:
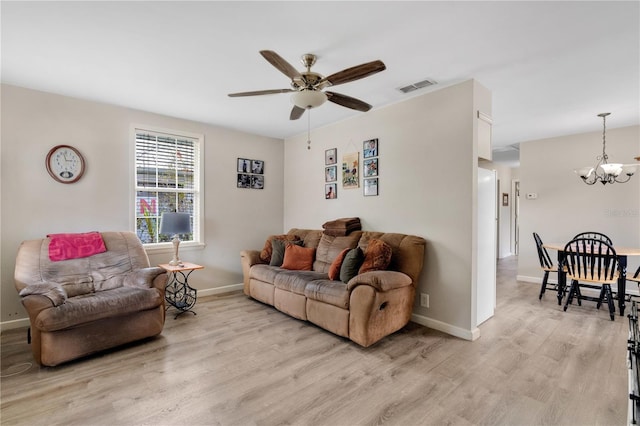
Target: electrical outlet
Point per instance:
(424, 300)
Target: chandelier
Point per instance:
(604, 171)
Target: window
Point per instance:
(167, 179)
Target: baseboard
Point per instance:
(219, 290)
(10, 325)
(24, 322)
(446, 328)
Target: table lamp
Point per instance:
(175, 223)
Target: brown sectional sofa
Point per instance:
(80, 306)
(367, 308)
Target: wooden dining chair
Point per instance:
(595, 235)
(594, 263)
(546, 264)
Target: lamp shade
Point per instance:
(175, 223)
(307, 99)
(612, 168)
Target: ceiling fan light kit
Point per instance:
(605, 172)
(307, 99)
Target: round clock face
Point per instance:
(65, 163)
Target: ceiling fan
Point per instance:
(307, 86)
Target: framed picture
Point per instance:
(244, 165)
(330, 191)
(370, 167)
(505, 199)
(330, 173)
(257, 182)
(370, 148)
(330, 156)
(244, 180)
(350, 170)
(370, 187)
(257, 167)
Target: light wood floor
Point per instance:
(238, 362)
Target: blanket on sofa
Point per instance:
(75, 246)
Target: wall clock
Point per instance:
(65, 164)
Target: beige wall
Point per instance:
(34, 205)
(565, 206)
(427, 186)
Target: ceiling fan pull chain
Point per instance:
(309, 129)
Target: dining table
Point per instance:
(622, 252)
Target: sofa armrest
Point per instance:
(153, 277)
(54, 292)
(380, 280)
(248, 258)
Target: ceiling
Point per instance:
(551, 66)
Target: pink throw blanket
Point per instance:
(74, 246)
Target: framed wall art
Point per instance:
(244, 165)
(250, 173)
(370, 148)
(257, 167)
(330, 156)
(370, 187)
(330, 191)
(330, 173)
(350, 170)
(370, 167)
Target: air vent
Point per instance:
(419, 85)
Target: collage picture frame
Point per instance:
(250, 173)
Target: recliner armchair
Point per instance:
(81, 306)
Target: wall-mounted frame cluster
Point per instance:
(250, 173)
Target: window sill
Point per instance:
(168, 247)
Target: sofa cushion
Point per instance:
(330, 246)
(334, 269)
(351, 264)
(264, 273)
(377, 256)
(95, 306)
(265, 254)
(277, 253)
(327, 291)
(296, 281)
(298, 258)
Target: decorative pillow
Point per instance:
(377, 257)
(265, 254)
(277, 252)
(298, 258)
(334, 269)
(351, 263)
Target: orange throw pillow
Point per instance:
(377, 257)
(267, 250)
(298, 258)
(334, 269)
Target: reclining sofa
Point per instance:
(84, 305)
(364, 308)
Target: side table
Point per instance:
(178, 292)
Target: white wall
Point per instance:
(427, 187)
(565, 205)
(34, 205)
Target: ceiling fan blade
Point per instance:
(282, 65)
(260, 92)
(355, 73)
(296, 112)
(348, 101)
